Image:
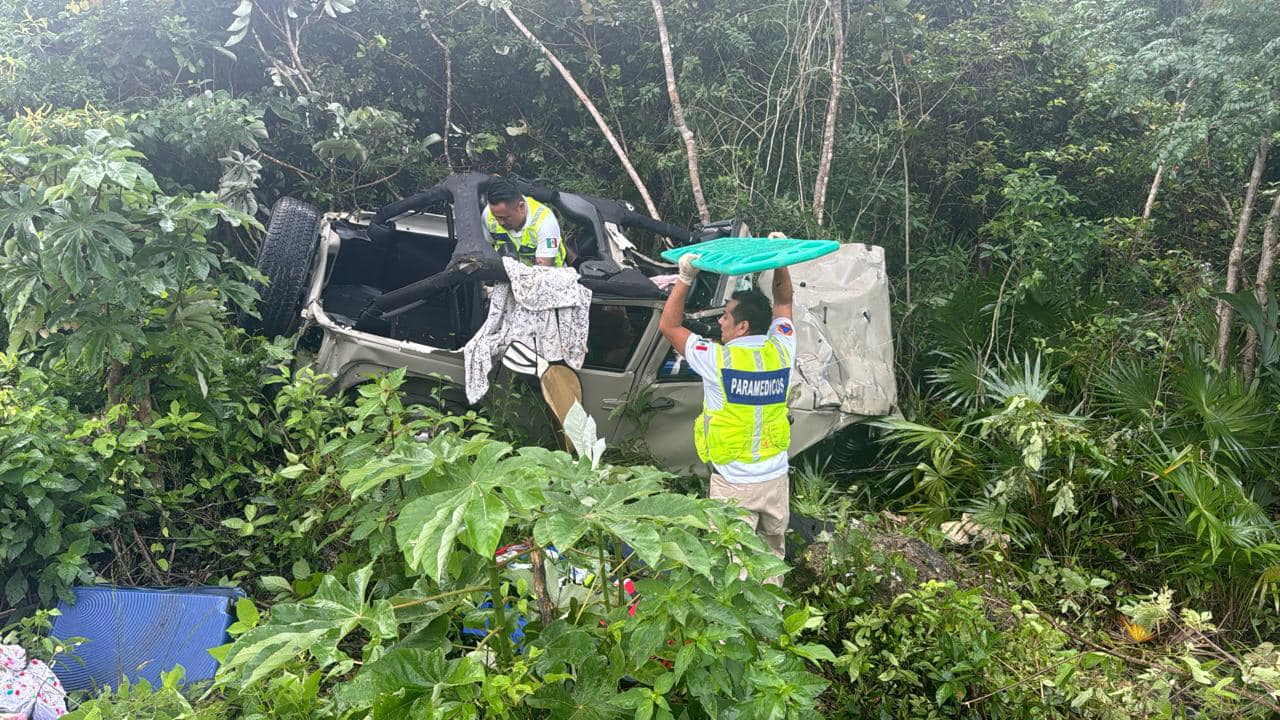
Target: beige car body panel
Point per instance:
(844, 359)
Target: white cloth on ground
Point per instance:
(29, 689)
(542, 307)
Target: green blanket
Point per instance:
(740, 256)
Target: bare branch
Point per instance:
(836, 11)
(1262, 283)
(290, 166)
(906, 181)
(677, 110)
(591, 108)
(448, 92)
(1236, 257)
(1155, 183)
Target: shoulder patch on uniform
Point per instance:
(701, 347)
(785, 328)
(553, 242)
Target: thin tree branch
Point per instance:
(836, 11)
(677, 110)
(379, 181)
(591, 108)
(906, 181)
(1236, 257)
(448, 96)
(1262, 283)
(546, 608)
(285, 164)
(1155, 183)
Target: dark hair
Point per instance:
(501, 190)
(755, 308)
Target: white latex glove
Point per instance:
(688, 273)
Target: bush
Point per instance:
(54, 494)
(691, 635)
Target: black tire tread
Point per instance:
(285, 258)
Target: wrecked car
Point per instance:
(405, 287)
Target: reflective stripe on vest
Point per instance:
(525, 244)
(752, 426)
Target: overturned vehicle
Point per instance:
(412, 286)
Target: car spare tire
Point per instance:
(285, 258)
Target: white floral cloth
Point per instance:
(29, 689)
(542, 307)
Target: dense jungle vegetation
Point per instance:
(1080, 203)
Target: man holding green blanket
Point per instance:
(743, 431)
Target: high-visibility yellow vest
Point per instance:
(752, 426)
(525, 243)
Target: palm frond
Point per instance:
(1267, 587)
(956, 378)
(1215, 519)
(1216, 408)
(960, 321)
(921, 438)
(1026, 379)
(1002, 519)
(1129, 391)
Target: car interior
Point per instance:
(383, 257)
(369, 265)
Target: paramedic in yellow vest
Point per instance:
(521, 227)
(743, 430)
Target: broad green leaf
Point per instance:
(316, 625)
(560, 529)
(642, 537)
(486, 517)
(404, 674)
(814, 653)
(427, 528)
(649, 638)
(682, 546)
(580, 428)
(372, 475)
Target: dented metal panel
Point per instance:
(844, 357)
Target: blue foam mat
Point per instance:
(138, 633)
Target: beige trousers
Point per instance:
(769, 504)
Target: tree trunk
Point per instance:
(1155, 183)
(677, 110)
(115, 376)
(591, 108)
(1266, 266)
(1151, 201)
(836, 11)
(906, 181)
(546, 608)
(1237, 248)
(448, 96)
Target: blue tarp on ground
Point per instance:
(138, 633)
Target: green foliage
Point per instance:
(124, 275)
(908, 649)
(141, 701)
(54, 496)
(1017, 465)
(435, 511)
(1038, 233)
(1055, 386)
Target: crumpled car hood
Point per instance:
(845, 357)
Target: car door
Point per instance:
(616, 347)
